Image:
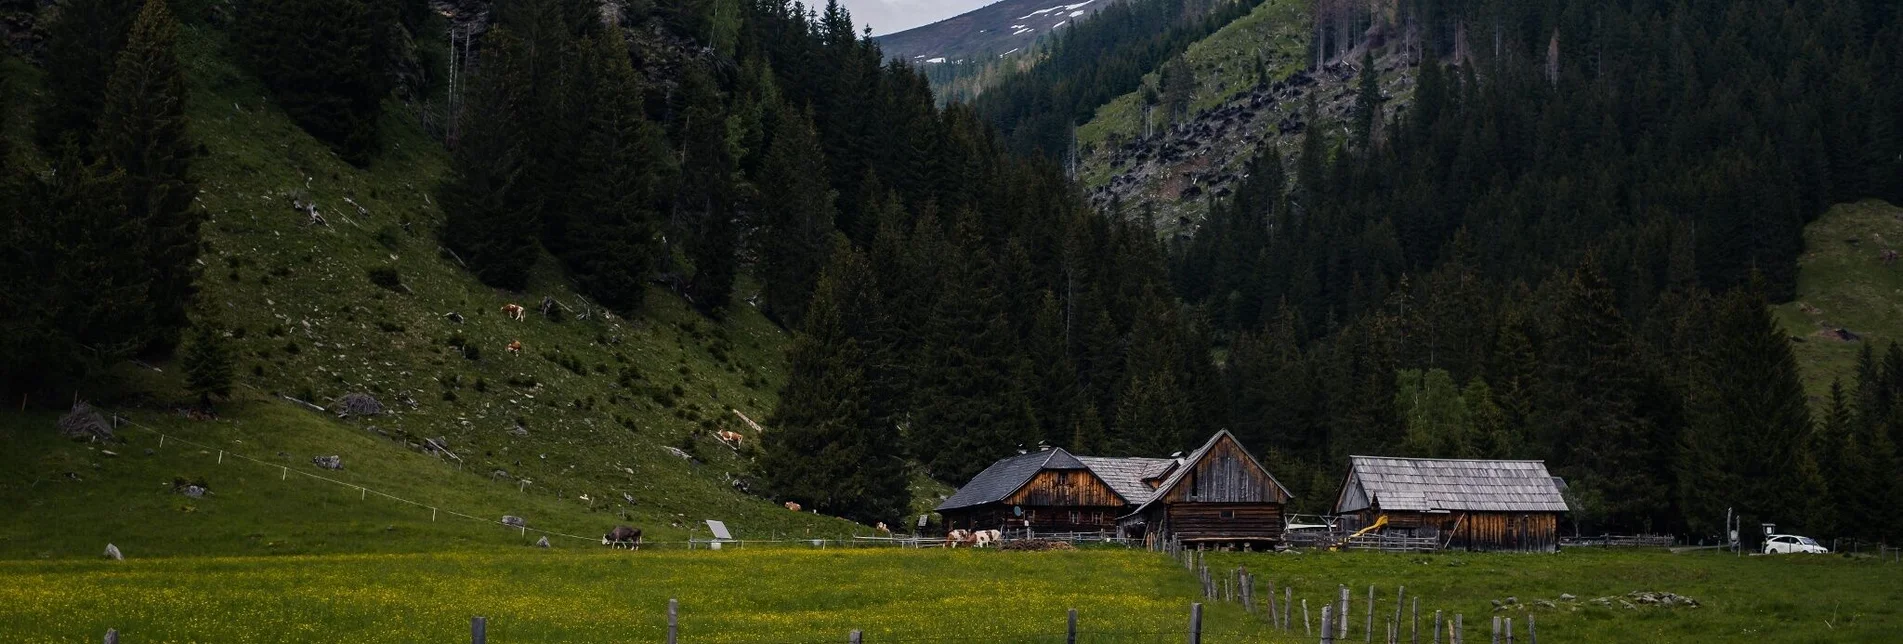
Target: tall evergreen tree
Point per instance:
(796, 215)
(704, 201)
(621, 171)
(1367, 109)
(327, 64)
(143, 131)
(488, 221)
(827, 450)
(83, 45)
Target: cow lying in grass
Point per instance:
(622, 537)
(973, 538)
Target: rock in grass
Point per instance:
(332, 462)
(542, 542)
(193, 491)
(513, 521)
(358, 404)
(84, 423)
(112, 552)
(1566, 597)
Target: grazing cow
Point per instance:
(882, 529)
(955, 537)
(515, 347)
(731, 438)
(514, 312)
(792, 506)
(984, 538)
(622, 537)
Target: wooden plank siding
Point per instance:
(1476, 531)
(1226, 475)
(1068, 500)
(1225, 521)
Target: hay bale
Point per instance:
(358, 404)
(84, 423)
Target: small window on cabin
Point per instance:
(1228, 514)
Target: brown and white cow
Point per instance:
(882, 529)
(956, 537)
(515, 347)
(514, 312)
(792, 506)
(731, 438)
(982, 538)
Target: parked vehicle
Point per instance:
(1793, 544)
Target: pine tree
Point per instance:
(208, 363)
(83, 45)
(326, 62)
(827, 450)
(624, 164)
(1750, 423)
(796, 215)
(705, 196)
(1368, 99)
(487, 220)
(75, 301)
(143, 131)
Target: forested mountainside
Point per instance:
(1557, 244)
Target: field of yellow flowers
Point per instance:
(745, 595)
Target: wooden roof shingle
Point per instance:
(1447, 485)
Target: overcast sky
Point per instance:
(888, 16)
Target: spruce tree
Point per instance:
(796, 215)
(75, 301)
(208, 363)
(704, 199)
(488, 222)
(621, 170)
(143, 132)
(326, 62)
(1367, 109)
(83, 45)
(827, 450)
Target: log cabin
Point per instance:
(1049, 491)
(1481, 505)
(1217, 497)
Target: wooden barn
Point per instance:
(1466, 504)
(1218, 496)
(1049, 491)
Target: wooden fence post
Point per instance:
(673, 621)
(1415, 630)
(1328, 630)
(1460, 630)
(1400, 601)
(1288, 608)
(1341, 629)
(855, 637)
(1532, 633)
(1496, 630)
(1436, 627)
(112, 636)
(1070, 632)
(1370, 626)
(479, 630)
(1509, 624)
(1275, 613)
(1196, 623)
(1306, 631)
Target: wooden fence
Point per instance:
(1620, 541)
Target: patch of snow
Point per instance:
(1013, 51)
(934, 61)
(1021, 32)
(1074, 14)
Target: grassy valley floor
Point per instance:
(802, 595)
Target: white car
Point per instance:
(1792, 544)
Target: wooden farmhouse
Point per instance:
(1218, 496)
(1050, 491)
(1467, 504)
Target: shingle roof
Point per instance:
(1189, 463)
(1006, 476)
(1125, 475)
(1432, 485)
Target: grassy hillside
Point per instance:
(591, 407)
(1843, 283)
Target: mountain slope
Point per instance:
(584, 425)
(1847, 294)
(994, 30)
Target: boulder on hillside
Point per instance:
(332, 462)
(358, 404)
(112, 552)
(84, 423)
